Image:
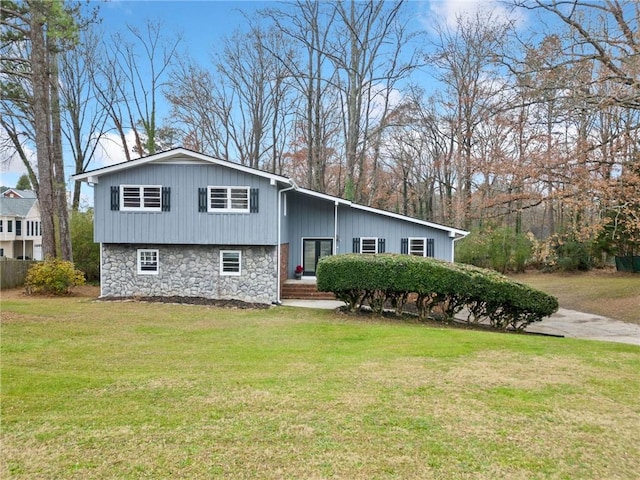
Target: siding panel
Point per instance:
(309, 217)
(184, 224)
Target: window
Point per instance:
(230, 261)
(18, 227)
(148, 262)
(1, 226)
(422, 247)
(228, 199)
(9, 226)
(417, 246)
(141, 197)
(368, 245)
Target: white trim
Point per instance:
(281, 196)
(139, 269)
(452, 231)
(102, 282)
(185, 156)
(141, 193)
(375, 239)
(228, 199)
(424, 245)
(232, 273)
(176, 156)
(340, 201)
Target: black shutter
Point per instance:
(115, 197)
(166, 199)
(404, 246)
(431, 247)
(381, 245)
(253, 200)
(202, 199)
(356, 245)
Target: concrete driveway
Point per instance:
(566, 323)
(570, 323)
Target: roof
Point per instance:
(16, 207)
(20, 193)
(341, 201)
(177, 155)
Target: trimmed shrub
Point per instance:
(377, 280)
(53, 277)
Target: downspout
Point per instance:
(279, 255)
(335, 228)
(453, 247)
(101, 272)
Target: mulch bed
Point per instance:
(190, 301)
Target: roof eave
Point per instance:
(93, 175)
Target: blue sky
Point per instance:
(204, 23)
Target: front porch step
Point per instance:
(303, 290)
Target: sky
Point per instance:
(204, 23)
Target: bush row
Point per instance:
(391, 280)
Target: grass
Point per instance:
(603, 292)
(135, 390)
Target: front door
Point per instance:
(313, 249)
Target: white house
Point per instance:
(20, 225)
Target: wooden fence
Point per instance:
(13, 272)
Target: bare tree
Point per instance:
(465, 58)
(130, 78)
(606, 33)
(84, 118)
(44, 27)
(307, 25)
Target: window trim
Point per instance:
(424, 246)
(375, 240)
(139, 254)
(222, 263)
(228, 199)
(141, 196)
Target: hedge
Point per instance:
(387, 279)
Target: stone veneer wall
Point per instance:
(190, 271)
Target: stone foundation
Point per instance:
(190, 271)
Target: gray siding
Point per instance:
(184, 224)
(310, 217)
(354, 223)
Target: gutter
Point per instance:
(453, 247)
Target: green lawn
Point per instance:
(135, 390)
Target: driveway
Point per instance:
(565, 323)
(570, 323)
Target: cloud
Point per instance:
(11, 162)
(110, 150)
(448, 11)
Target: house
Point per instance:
(20, 225)
(179, 223)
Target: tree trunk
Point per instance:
(41, 107)
(59, 181)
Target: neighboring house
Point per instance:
(20, 225)
(179, 223)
